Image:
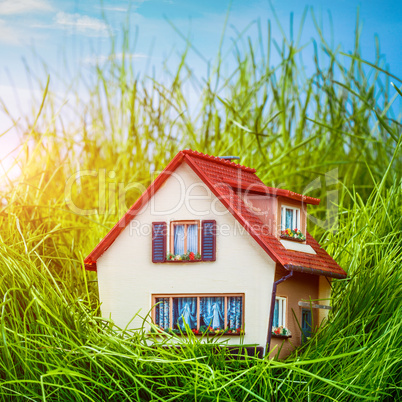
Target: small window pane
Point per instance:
(212, 312)
(275, 322)
(184, 311)
(279, 318)
(179, 239)
(192, 238)
(235, 312)
(162, 311)
(289, 218)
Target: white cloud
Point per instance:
(9, 35)
(124, 6)
(116, 9)
(9, 7)
(93, 60)
(82, 24)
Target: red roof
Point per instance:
(227, 180)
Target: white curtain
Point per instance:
(185, 311)
(162, 312)
(275, 322)
(235, 311)
(192, 238)
(289, 219)
(178, 239)
(212, 312)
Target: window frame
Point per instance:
(282, 311)
(186, 223)
(171, 296)
(296, 216)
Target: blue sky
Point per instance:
(56, 27)
(78, 31)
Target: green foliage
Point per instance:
(53, 343)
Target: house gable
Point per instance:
(184, 197)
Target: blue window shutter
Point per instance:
(158, 241)
(208, 241)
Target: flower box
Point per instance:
(281, 332)
(188, 257)
(291, 238)
(281, 336)
(293, 234)
(200, 332)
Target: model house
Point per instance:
(209, 248)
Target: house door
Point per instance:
(306, 324)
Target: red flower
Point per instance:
(295, 230)
(192, 256)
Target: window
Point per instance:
(202, 313)
(306, 324)
(290, 218)
(279, 312)
(185, 241)
(184, 237)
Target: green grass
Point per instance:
(293, 126)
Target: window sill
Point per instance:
(292, 239)
(208, 335)
(181, 261)
(281, 336)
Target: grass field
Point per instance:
(343, 117)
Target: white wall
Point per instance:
(127, 277)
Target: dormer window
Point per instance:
(290, 217)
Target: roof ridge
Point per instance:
(217, 159)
